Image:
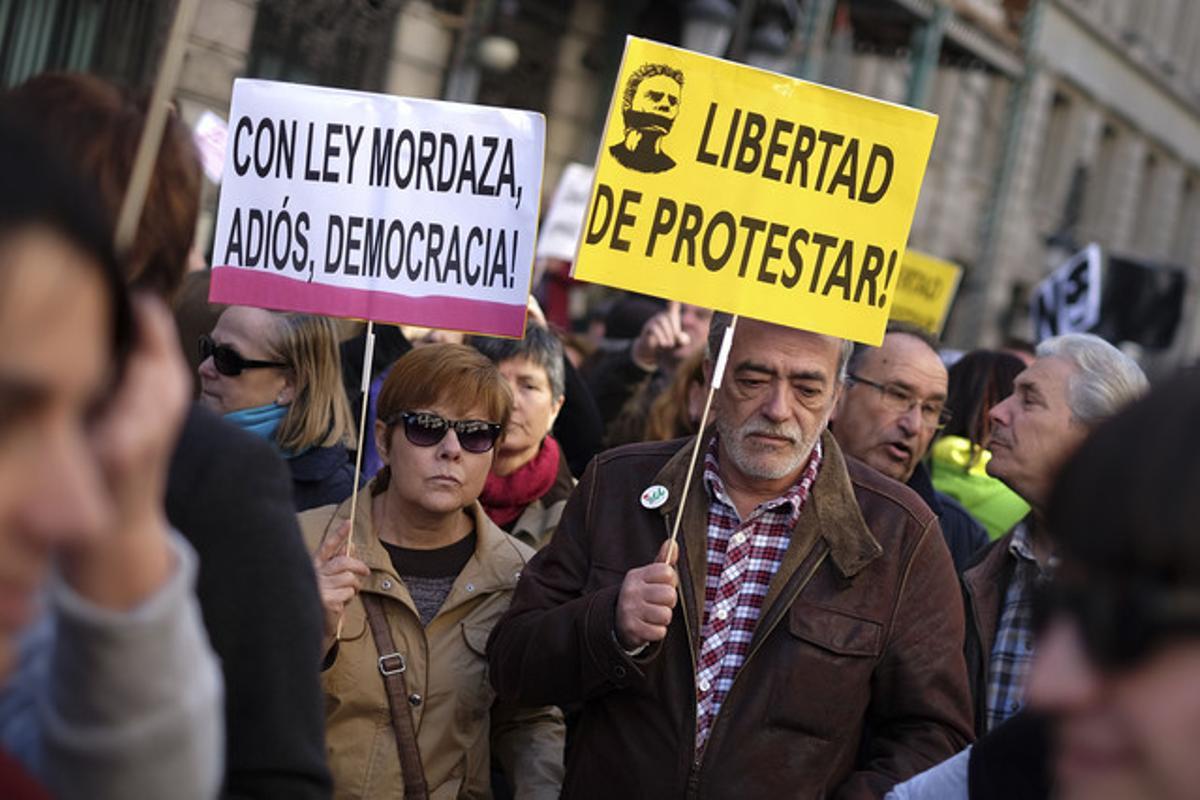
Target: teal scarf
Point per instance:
(262, 421)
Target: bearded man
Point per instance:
(815, 649)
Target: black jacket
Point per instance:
(321, 476)
(1013, 761)
(230, 495)
(964, 536)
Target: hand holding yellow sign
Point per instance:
(736, 189)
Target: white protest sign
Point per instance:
(377, 207)
(210, 135)
(1068, 301)
(564, 221)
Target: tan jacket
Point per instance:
(540, 518)
(458, 721)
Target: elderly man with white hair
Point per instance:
(1076, 382)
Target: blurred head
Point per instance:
(419, 336)
(1076, 381)
(96, 126)
(533, 368)
(1118, 660)
(779, 389)
(427, 464)
(64, 327)
(977, 382)
(677, 409)
(894, 402)
(284, 358)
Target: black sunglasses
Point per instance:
(425, 430)
(1120, 624)
(229, 361)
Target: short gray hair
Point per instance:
(540, 346)
(721, 320)
(1105, 380)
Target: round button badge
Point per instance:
(654, 496)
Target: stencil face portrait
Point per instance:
(649, 107)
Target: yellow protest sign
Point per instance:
(925, 291)
(729, 187)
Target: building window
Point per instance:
(1099, 201)
(1148, 211)
(1056, 164)
(1186, 247)
(337, 43)
(117, 39)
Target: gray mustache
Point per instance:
(769, 429)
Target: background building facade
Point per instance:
(1062, 122)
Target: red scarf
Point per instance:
(16, 783)
(505, 498)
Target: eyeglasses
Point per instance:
(899, 400)
(1119, 625)
(229, 361)
(425, 430)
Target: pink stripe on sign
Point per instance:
(246, 287)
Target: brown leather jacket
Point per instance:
(855, 677)
(984, 582)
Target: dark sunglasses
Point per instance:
(425, 430)
(1119, 625)
(229, 361)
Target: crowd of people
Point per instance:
(872, 574)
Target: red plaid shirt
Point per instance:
(742, 559)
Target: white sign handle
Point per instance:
(368, 359)
(718, 374)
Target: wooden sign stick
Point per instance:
(718, 373)
(368, 359)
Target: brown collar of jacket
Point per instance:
(831, 513)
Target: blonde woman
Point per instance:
(279, 376)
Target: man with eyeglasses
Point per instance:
(893, 405)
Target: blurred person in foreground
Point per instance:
(228, 493)
(958, 459)
(123, 698)
(530, 480)
(279, 376)
(893, 406)
(1118, 664)
(1076, 382)
(428, 578)
(816, 648)
(1115, 683)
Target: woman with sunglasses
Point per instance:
(279, 376)
(426, 578)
